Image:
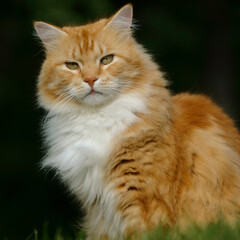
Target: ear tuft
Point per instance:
(122, 20)
(49, 34)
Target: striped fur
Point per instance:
(134, 155)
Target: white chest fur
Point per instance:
(79, 144)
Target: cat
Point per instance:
(134, 155)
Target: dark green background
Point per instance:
(197, 43)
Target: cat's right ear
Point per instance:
(49, 34)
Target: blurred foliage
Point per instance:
(214, 231)
(197, 43)
(58, 234)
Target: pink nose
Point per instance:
(90, 81)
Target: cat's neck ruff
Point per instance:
(79, 143)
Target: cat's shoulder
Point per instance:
(199, 120)
(189, 101)
(197, 110)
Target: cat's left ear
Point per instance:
(122, 20)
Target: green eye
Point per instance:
(107, 59)
(72, 65)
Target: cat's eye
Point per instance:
(72, 65)
(107, 59)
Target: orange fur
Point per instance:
(189, 173)
(178, 163)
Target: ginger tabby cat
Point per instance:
(131, 153)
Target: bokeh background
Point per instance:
(197, 43)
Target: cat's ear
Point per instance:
(49, 34)
(122, 19)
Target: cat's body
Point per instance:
(133, 155)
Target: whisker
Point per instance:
(57, 103)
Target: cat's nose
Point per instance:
(90, 81)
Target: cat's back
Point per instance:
(210, 145)
(195, 112)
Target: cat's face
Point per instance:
(88, 65)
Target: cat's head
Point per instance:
(89, 65)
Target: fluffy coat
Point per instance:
(133, 155)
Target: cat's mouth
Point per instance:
(92, 92)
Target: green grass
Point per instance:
(47, 233)
(217, 231)
(59, 235)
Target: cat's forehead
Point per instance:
(87, 39)
(86, 32)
